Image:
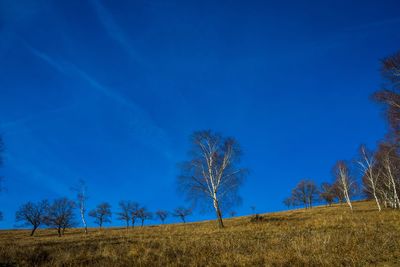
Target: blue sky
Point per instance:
(109, 91)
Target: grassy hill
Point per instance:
(323, 236)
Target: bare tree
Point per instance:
(391, 69)
(337, 192)
(143, 214)
(327, 193)
(386, 171)
(388, 161)
(366, 162)
(135, 212)
(305, 192)
(232, 213)
(125, 214)
(344, 181)
(32, 214)
(60, 215)
(101, 214)
(288, 202)
(81, 198)
(212, 172)
(182, 213)
(162, 215)
(389, 96)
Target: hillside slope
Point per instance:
(323, 236)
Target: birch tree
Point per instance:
(389, 97)
(366, 162)
(212, 173)
(344, 181)
(81, 197)
(389, 161)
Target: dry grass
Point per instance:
(318, 237)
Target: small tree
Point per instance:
(344, 181)
(367, 163)
(212, 173)
(81, 198)
(182, 213)
(60, 215)
(305, 192)
(101, 214)
(388, 162)
(327, 193)
(162, 215)
(232, 213)
(337, 192)
(288, 202)
(143, 214)
(135, 211)
(32, 214)
(125, 213)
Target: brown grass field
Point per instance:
(323, 236)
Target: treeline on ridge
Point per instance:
(371, 174)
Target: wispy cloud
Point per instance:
(12, 126)
(104, 90)
(374, 24)
(59, 66)
(41, 174)
(71, 70)
(341, 36)
(114, 30)
(141, 124)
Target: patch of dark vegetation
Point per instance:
(257, 218)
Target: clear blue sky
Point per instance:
(109, 91)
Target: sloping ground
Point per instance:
(331, 236)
